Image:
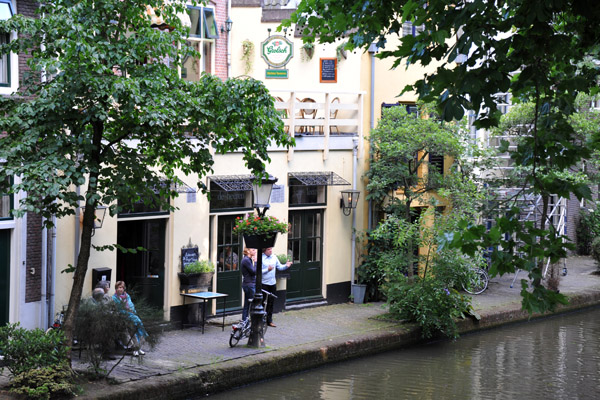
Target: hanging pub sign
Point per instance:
(277, 51)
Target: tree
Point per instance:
(539, 51)
(104, 109)
(400, 172)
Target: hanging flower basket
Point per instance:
(260, 241)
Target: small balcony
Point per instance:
(321, 120)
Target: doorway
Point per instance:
(305, 245)
(143, 271)
(4, 275)
(229, 257)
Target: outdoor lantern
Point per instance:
(227, 26)
(99, 214)
(262, 193)
(349, 200)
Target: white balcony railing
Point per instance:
(321, 113)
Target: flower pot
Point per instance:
(358, 293)
(260, 241)
(199, 282)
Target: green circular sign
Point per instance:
(277, 51)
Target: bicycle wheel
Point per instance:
(235, 337)
(476, 282)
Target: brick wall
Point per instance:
(33, 282)
(221, 42)
(27, 8)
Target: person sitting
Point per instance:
(105, 286)
(98, 295)
(125, 305)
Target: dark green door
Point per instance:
(4, 274)
(229, 256)
(305, 245)
(144, 271)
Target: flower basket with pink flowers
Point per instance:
(259, 232)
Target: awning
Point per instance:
(233, 183)
(177, 185)
(322, 178)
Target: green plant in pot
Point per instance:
(197, 275)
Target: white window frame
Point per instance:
(202, 38)
(12, 60)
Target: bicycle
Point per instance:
(476, 281)
(243, 329)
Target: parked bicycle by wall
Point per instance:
(242, 329)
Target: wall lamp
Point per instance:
(99, 215)
(227, 26)
(349, 200)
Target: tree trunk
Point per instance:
(86, 240)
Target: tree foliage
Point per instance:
(540, 51)
(103, 109)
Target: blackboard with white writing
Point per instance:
(188, 256)
(328, 70)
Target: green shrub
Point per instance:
(596, 250)
(428, 303)
(97, 327)
(44, 383)
(587, 228)
(199, 266)
(25, 349)
(283, 258)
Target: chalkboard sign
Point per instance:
(328, 70)
(188, 256)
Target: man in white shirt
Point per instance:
(269, 264)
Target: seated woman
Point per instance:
(125, 305)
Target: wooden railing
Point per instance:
(314, 113)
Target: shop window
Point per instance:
(302, 195)
(4, 62)
(221, 199)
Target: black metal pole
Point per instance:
(257, 312)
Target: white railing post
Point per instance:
(326, 128)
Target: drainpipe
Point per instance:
(228, 41)
(43, 274)
(354, 172)
(52, 274)
(372, 51)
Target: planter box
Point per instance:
(201, 282)
(260, 241)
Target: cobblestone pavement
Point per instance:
(180, 350)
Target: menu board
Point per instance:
(328, 70)
(188, 256)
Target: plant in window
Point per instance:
(308, 51)
(256, 225)
(247, 54)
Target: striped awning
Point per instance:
(321, 178)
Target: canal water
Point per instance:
(554, 358)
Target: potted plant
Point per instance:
(196, 275)
(340, 51)
(309, 49)
(259, 232)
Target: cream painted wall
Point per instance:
(303, 75)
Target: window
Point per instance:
(221, 199)
(203, 31)
(301, 194)
(408, 29)
(4, 62)
(6, 204)
(6, 11)
(436, 162)
(411, 108)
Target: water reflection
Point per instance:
(558, 358)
